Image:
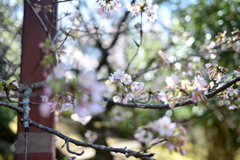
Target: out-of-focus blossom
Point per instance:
(116, 99)
(211, 84)
(232, 92)
(45, 107)
(140, 86)
(60, 69)
(162, 96)
(218, 77)
(91, 136)
(129, 96)
(232, 107)
(183, 151)
(166, 127)
(134, 85)
(169, 145)
(208, 65)
(112, 79)
(171, 81)
(199, 83)
(143, 135)
(15, 85)
(66, 107)
(119, 74)
(82, 120)
(84, 108)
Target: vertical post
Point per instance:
(40, 144)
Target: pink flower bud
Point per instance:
(208, 65)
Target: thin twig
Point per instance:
(26, 144)
(138, 45)
(68, 149)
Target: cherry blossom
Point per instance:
(129, 96)
(166, 127)
(109, 4)
(143, 135)
(82, 120)
(162, 96)
(232, 107)
(66, 106)
(91, 136)
(119, 74)
(45, 107)
(200, 83)
(208, 65)
(146, 7)
(126, 79)
(112, 79)
(60, 69)
(116, 99)
(232, 92)
(171, 81)
(134, 85)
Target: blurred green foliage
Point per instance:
(10, 50)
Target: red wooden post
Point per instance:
(40, 144)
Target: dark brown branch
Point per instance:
(127, 152)
(166, 106)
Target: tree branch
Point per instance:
(166, 106)
(125, 151)
(9, 105)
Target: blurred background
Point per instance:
(183, 27)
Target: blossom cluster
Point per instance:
(82, 94)
(220, 75)
(165, 129)
(109, 4)
(146, 7)
(181, 90)
(224, 42)
(123, 92)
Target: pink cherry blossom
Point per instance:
(218, 77)
(232, 107)
(232, 92)
(82, 120)
(91, 136)
(162, 96)
(66, 106)
(143, 135)
(171, 81)
(129, 96)
(183, 151)
(166, 127)
(45, 107)
(134, 85)
(60, 69)
(126, 79)
(208, 65)
(109, 4)
(116, 99)
(199, 83)
(112, 79)
(15, 85)
(119, 74)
